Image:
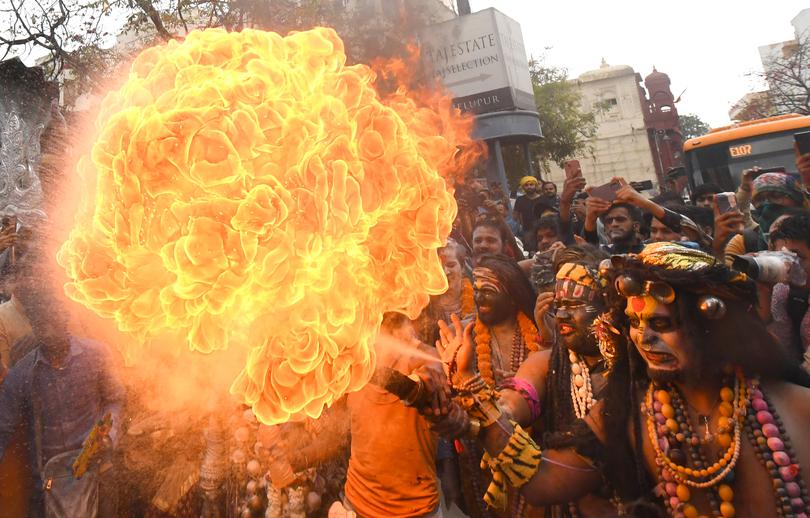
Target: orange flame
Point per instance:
(251, 190)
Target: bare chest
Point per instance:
(758, 489)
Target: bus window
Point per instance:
(724, 163)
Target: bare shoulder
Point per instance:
(790, 395)
(792, 405)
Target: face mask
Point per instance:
(765, 215)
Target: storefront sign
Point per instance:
(481, 59)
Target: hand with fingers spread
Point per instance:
(457, 349)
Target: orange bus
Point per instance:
(721, 155)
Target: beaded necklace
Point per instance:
(581, 388)
(774, 449)
(673, 438)
(522, 340)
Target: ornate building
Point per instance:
(639, 136)
(663, 126)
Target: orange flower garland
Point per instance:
(467, 298)
(483, 346)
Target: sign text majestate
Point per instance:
(448, 52)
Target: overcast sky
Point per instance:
(705, 46)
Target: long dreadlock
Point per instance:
(558, 414)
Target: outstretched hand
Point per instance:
(456, 348)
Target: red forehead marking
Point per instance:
(637, 303)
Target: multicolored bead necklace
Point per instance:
(774, 449)
(673, 438)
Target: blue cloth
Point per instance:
(72, 399)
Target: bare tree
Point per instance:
(79, 34)
(788, 77)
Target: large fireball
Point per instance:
(251, 191)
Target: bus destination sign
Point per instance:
(740, 151)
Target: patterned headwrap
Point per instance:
(684, 268)
(527, 179)
(579, 282)
(661, 271)
(486, 278)
(781, 183)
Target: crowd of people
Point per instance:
(633, 356)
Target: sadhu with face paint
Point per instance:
(700, 408)
(567, 379)
(501, 337)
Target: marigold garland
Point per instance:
(467, 298)
(483, 346)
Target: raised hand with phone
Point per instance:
(728, 221)
(573, 184)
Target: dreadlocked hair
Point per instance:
(559, 417)
(558, 412)
(626, 383)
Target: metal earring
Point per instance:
(712, 307)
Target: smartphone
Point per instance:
(572, 168)
(607, 191)
(725, 201)
(646, 185)
(802, 141)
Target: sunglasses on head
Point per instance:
(628, 286)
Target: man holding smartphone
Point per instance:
(622, 220)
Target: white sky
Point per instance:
(706, 46)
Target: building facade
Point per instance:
(756, 105)
(638, 137)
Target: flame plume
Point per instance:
(248, 190)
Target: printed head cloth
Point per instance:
(781, 183)
(576, 281)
